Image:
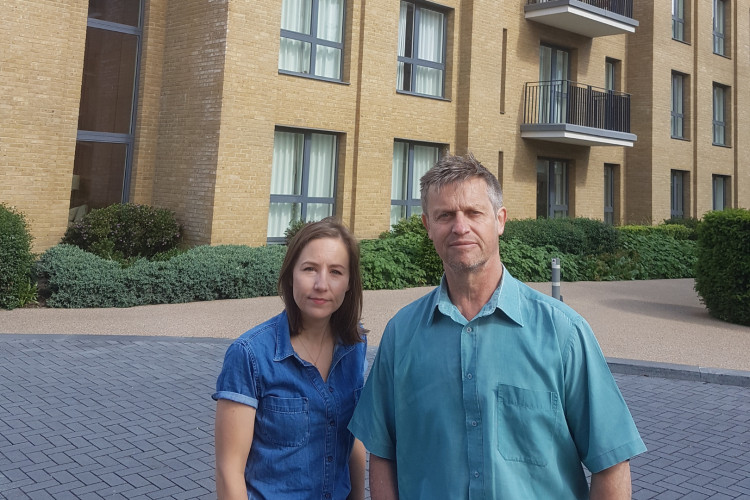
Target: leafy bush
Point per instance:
(294, 227)
(654, 254)
(391, 263)
(690, 223)
(676, 231)
(722, 272)
(426, 258)
(76, 278)
(16, 260)
(125, 232)
(574, 236)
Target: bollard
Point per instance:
(556, 279)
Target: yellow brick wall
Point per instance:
(41, 61)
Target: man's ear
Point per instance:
(502, 216)
(424, 222)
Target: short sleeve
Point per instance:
(373, 419)
(237, 380)
(598, 417)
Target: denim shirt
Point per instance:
(301, 445)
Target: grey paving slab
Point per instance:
(131, 418)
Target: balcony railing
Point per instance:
(621, 7)
(563, 101)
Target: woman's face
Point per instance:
(320, 280)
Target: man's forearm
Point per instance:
(383, 480)
(612, 484)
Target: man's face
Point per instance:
(463, 226)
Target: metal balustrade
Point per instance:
(621, 7)
(564, 101)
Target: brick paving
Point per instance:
(89, 417)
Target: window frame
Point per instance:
(303, 199)
(725, 184)
(128, 138)
(552, 208)
(720, 27)
(678, 20)
(314, 41)
(677, 194)
(414, 60)
(678, 115)
(610, 171)
(410, 201)
(721, 124)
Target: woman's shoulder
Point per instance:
(264, 332)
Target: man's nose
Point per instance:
(460, 224)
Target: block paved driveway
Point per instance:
(131, 417)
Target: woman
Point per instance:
(288, 386)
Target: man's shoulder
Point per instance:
(538, 302)
(417, 309)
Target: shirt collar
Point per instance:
(505, 298)
(284, 348)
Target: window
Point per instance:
(106, 117)
(421, 50)
(677, 196)
(410, 162)
(678, 20)
(303, 179)
(551, 188)
(721, 115)
(721, 191)
(678, 106)
(554, 75)
(610, 171)
(721, 11)
(610, 74)
(311, 37)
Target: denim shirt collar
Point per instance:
(284, 348)
(505, 299)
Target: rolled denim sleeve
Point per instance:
(238, 378)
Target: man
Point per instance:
(485, 388)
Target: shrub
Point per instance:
(675, 231)
(125, 232)
(690, 223)
(80, 279)
(574, 236)
(425, 256)
(17, 287)
(391, 263)
(654, 254)
(722, 271)
(294, 227)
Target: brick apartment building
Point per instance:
(241, 115)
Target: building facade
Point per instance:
(242, 116)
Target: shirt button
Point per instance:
(328, 495)
(469, 376)
(469, 330)
(330, 389)
(473, 423)
(476, 473)
(332, 423)
(329, 458)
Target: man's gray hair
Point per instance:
(452, 168)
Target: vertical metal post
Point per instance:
(556, 279)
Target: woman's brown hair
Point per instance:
(345, 321)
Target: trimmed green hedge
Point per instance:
(400, 258)
(76, 278)
(16, 260)
(722, 273)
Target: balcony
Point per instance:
(572, 113)
(591, 18)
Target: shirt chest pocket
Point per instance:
(284, 421)
(527, 424)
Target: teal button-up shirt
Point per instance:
(505, 406)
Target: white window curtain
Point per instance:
(322, 166)
(424, 159)
(330, 28)
(429, 81)
(719, 26)
(294, 55)
(719, 192)
(677, 100)
(296, 15)
(400, 171)
(286, 178)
